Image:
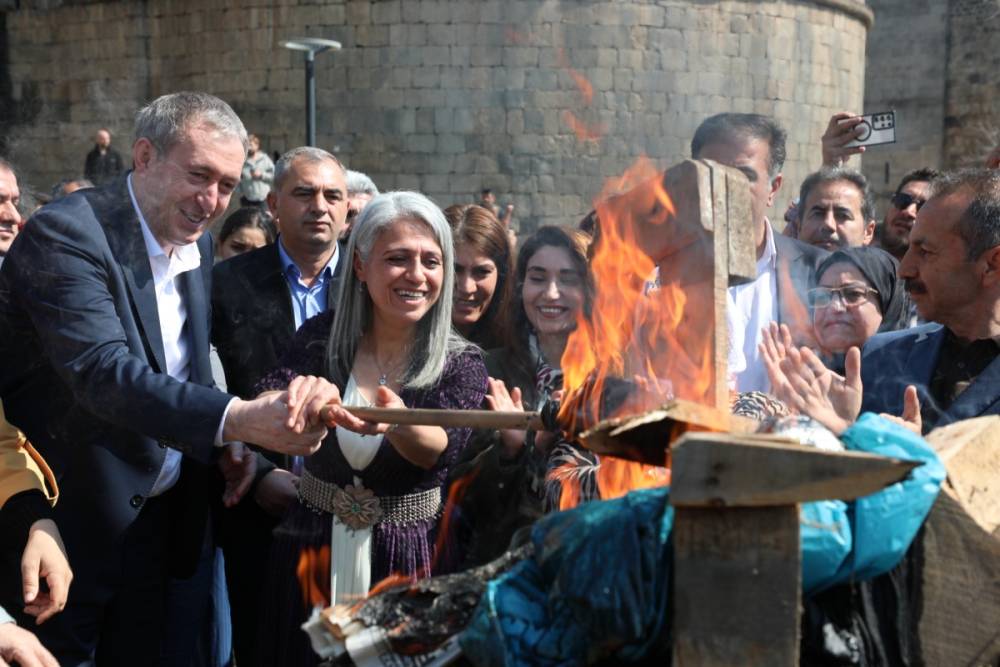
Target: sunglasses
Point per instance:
(902, 201)
(849, 295)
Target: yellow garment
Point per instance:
(22, 468)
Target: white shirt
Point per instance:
(172, 314)
(749, 308)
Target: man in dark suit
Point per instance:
(947, 371)
(259, 300)
(937, 373)
(104, 332)
(786, 268)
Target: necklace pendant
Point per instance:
(382, 380)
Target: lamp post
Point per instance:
(310, 46)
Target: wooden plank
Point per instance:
(720, 285)
(960, 580)
(737, 574)
(646, 437)
(713, 469)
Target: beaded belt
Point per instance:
(357, 507)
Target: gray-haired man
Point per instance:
(105, 337)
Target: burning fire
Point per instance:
(650, 334)
(313, 573)
(584, 131)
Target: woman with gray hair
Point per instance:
(372, 493)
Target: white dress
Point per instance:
(350, 550)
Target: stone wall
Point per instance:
(446, 97)
(972, 113)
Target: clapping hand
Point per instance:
(840, 131)
(911, 418)
(806, 386)
(499, 399)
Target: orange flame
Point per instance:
(657, 339)
(584, 131)
(313, 574)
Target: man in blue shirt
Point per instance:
(259, 300)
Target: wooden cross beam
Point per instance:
(737, 562)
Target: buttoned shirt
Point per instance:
(307, 300)
(171, 312)
(749, 309)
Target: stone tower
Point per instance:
(540, 100)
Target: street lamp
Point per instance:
(310, 46)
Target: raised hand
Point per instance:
(774, 346)
(813, 389)
(44, 557)
(911, 418)
(841, 130)
(499, 399)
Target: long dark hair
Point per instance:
(478, 227)
(248, 216)
(577, 243)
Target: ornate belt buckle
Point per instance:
(356, 506)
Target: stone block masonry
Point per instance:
(445, 95)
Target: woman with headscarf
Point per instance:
(858, 294)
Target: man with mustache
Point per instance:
(835, 209)
(937, 373)
(104, 332)
(259, 300)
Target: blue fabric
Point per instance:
(869, 536)
(307, 301)
(597, 585)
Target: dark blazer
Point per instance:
(891, 361)
(252, 320)
(83, 368)
(797, 264)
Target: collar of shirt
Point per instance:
(165, 267)
(294, 275)
(769, 260)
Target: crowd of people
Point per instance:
(150, 517)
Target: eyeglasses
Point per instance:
(849, 295)
(902, 201)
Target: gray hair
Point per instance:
(358, 183)
(165, 120)
(435, 339)
(979, 225)
(307, 153)
(830, 175)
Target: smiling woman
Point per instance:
(372, 494)
(484, 266)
